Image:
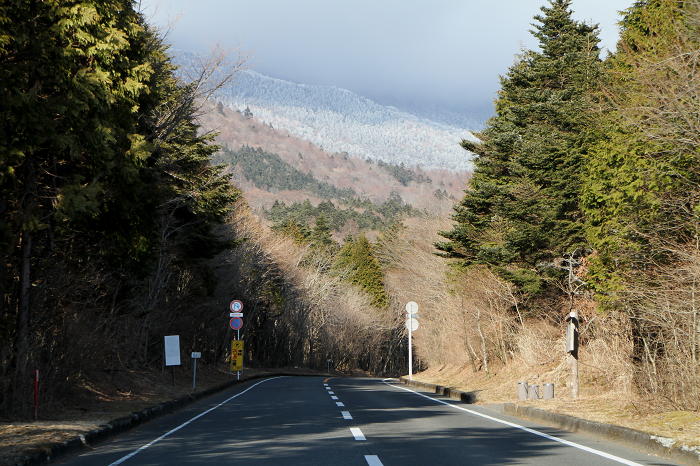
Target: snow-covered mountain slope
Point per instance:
(341, 121)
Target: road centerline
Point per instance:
(357, 433)
(346, 414)
(373, 460)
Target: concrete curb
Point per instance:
(467, 397)
(46, 453)
(659, 446)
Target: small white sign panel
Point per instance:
(235, 314)
(411, 307)
(172, 350)
(196, 355)
(412, 324)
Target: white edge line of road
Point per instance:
(526, 429)
(137, 451)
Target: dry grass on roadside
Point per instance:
(474, 337)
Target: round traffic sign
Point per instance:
(236, 323)
(411, 307)
(236, 305)
(412, 324)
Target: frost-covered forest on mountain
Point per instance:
(341, 121)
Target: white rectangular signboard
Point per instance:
(196, 355)
(172, 350)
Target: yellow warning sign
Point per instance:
(236, 355)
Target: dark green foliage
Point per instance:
(269, 172)
(402, 174)
(521, 209)
(642, 176)
(321, 236)
(366, 214)
(357, 262)
(107, 195)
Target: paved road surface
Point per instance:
(347, 421)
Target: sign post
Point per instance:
(411, 325)
(172, 353)
(236, 323)
(195, 356)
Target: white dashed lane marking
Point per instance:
(357, 433)
(334, 398)
(373, 460)
(346, 414)
(339, 403)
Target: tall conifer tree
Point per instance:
(520, 211)
(642, 176)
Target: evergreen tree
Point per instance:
(641, 177)
(321, 236)
(101, 168)
(357, 261)
(521, 209)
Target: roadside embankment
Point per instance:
(110, 411)
(648, 433)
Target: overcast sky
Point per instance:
(444, 54)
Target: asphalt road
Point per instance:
(346, 421)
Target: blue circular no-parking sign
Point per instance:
(236, 323)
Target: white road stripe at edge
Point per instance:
(357, 433)
(373, 460)
(526, 429)
(135, 452)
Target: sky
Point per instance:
(431, 55)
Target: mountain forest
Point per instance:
(122, 219)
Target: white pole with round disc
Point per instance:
(411, 325)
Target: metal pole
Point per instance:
(410, 348)
(194, 374)
(36, 394)
(238, 337)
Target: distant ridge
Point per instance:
(341, 121)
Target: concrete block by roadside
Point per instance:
(467, 397)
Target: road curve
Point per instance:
(346, 421)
